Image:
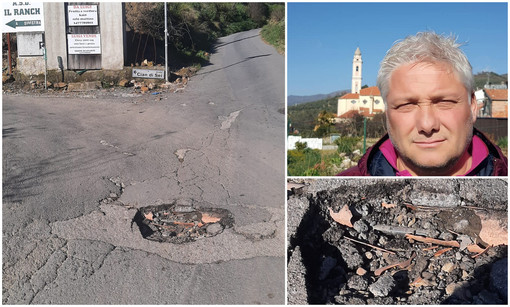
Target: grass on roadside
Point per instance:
(274, 34)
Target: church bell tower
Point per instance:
(356, 72)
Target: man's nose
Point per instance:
(427, 120)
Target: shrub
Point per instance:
(300, 146)
(347, 144)
(503, 142)
(274, 34)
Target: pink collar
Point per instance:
(477, 148)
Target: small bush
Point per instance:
(503, 142)
(300, 146)
(347, 144)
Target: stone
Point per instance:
(350, 255)
(357, 282)
(361, 271)
(458, 256)
(360, 226)
(123, 83)
(346, 163)
(214, 229)
(369, 255)
(448, 267)
(59, 85)
(458, 290)
(465, 275)
(84, 86)
(383, 286)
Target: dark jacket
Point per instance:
(373, 163)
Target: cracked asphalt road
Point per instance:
(77, 167)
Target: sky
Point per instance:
(322, 38)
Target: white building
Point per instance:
(357, 64)
(367, 101)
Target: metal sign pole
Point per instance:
(166, 47)
(45, 63)
(9, 52)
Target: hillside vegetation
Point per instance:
(493, 78)
(303, 117)
(194, 27)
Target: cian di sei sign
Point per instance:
(148, 73)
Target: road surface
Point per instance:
(76, 168)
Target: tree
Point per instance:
(325, 120)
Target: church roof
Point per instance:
(357, 52)
(370, 91)
(350, 96)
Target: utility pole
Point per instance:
(166, 46)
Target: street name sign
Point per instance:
(22, 17)
(148, 73)
(82, 15)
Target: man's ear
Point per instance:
(474, 107)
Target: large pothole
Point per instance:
(398, 242)
(180, 224)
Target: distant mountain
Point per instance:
(293, 99)
(482, 78)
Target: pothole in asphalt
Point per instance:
(180, 224)
(383, 244)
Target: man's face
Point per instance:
(429, 117)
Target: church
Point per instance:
(366, 101)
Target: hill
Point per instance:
(303, 116)
(482, 78)
(294, 99)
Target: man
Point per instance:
(427, 85)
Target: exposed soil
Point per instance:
(378, 261)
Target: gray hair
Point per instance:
(425, 47)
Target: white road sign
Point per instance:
(148, 73)
(84, 43)
(82, 15)
(22, 17)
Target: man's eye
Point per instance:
(446, 104)
(406, 106)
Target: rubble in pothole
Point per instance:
(180, 224)
(383, 249)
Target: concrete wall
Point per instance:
(55, 31)
(112, 35)
(313, 143)
(112, 38)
